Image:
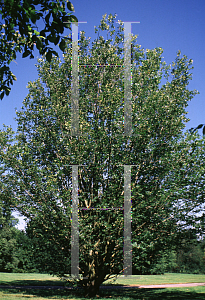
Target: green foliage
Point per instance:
(5, 214)
(186, 257)
(167, 262)
(19, 32)
(26, 262)
(6, 201)
(190, 256)
(15, 251)
(167, 172)
(8, 244)
(15, 246)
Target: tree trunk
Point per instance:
(91, 289)
(91, 285)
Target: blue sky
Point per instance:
(171, 24)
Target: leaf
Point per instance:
(14, 77)
(26, 53)
(70, 6)
(7, 91)
(67, 25)
(39, 43)
(49, 56)
(62, 45)
(2, 95)
(43, 50)
(21, 29)
(54, 52)
(33, 15)
(36, 32)
(73, 19)
(204, 131)
(200, 126)
(51, 38)
(48, 17)
(57, 40)
(42, 32)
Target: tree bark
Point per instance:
(91, 289)
(91, 286)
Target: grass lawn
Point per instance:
(190, 293)
(159, 279)
(45, 279)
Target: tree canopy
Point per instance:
(26, 24)
(167, 173)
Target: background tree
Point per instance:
(187, 257)
(21, 32)
(16, 252)
(8, 245)
(15, 246)
(166, 263)
(6, 201)
(190, 254)
(39, 163)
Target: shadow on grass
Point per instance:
(137, 294)
(153, 294)
(23, 282)
(33, 282)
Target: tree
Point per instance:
(190, 255)
(20, 32)
(165, 263)
(15, 251)
(165, 179)
(6, 218)
(6, 201)
(15, 246)
(8, 244)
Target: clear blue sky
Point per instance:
(171, 24)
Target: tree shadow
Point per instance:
(154, 294)
(45, 293)
(133, 294)
(35, 282)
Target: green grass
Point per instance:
(45, 279)
(160, 279)
(190, 293)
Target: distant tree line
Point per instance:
(15, 251)
(187, 257)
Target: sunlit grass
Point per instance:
(160, 279)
